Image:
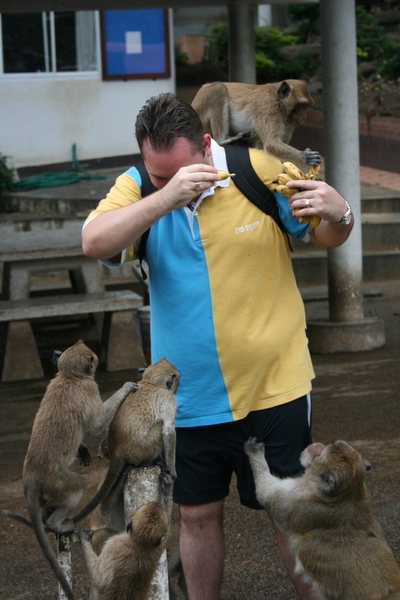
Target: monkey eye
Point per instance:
(160, 541)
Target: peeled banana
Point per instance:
(225, 174)
(291, 173)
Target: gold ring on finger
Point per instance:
(197, 187)
(307, 201)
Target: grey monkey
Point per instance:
(70, 407)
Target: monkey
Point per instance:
(71, 406)
(143, 428)
(268, 112)
(128, 561)
(326, 513)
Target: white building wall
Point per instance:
(40, 118)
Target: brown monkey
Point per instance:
(70, 407)
(143, 428)
(326, 513)
(126, 566)
(268, 112)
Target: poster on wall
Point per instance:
(135, 44)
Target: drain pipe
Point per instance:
(346, 330)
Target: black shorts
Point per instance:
(207, 456)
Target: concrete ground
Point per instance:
(355, 398)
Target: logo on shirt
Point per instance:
(247, 227)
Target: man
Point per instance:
(225, 310)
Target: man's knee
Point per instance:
(201, 515)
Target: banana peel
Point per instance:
(225, 174)
(290, 173)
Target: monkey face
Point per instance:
(337, 467)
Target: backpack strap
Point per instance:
(147, 189)
(248, 182)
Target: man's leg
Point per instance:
(304, 589)
(202, 549)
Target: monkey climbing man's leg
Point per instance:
(202, 549)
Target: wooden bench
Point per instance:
(120, 338)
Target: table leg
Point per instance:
(21, 360)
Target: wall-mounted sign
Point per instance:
(135, 44)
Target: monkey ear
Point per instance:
(129, 526)
(328, 482)
(284, 90)
(170, 382)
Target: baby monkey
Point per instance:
(126, 566)
(338, 545)
(70, 407)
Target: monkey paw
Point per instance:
(253, 446)
(312, 157)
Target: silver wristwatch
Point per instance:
(346, 219)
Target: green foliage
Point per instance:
(306, 16)
(7, 174)
(375, 44)
(181, 59)
(270, 66)
(217, 42)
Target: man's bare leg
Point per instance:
(304, 589)
(202, 549)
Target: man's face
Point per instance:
(162, 165)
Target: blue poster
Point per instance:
(135, 42)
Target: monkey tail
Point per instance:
(39, 529)
(114, 471)
(17, 517)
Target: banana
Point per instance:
(314, 172)
(313, 220)
(283, 178)
(293, 171)
(283, 189)
(225, 174)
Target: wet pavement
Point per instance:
(355, 397)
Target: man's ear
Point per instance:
(207, 144)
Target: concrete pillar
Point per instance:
(242, 20)
(143, 486)
(341, 143)
(65, 561)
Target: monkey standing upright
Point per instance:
(143, 428)
(269, 112)
(126, 566)
(70, 407)
(327, 516)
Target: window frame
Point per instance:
(53, 74)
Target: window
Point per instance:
(49, 42)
